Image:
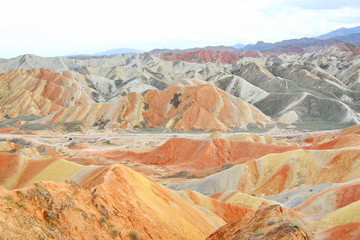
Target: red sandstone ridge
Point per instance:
(199, 106)
(251, 54)
(268, 223)
(183, 153)
(205, 56)
(202, 56)
(184, 107)
(331, 199)
(344, 49)
(327, 137)
(348, 231)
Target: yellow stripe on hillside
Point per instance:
(58, 171)
(248, 200)
(347, 214)
(12, 181)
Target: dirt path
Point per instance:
(303, 133)
(153, 136)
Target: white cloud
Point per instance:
(51, 28)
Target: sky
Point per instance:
(59, 28)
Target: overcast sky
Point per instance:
(57, 28)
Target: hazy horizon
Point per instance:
(47, 28)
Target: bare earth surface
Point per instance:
(104, 185)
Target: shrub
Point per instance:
(9, 199)
(103, 219)
(107, 142)
(295, 226)
(115, 233)
(270, 222)
(21, 204)
(134, 235)
(257, 233)
(49, 215)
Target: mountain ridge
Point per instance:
(301, 85)
(339, 32)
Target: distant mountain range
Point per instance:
(301, 45)
(109, 52)
(221, 48)
(350, 35)
(118, 51)
(351, 38)
(340, 32)
(239, 45)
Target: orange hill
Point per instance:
(268, 223)
(184, 153)
(111, 202)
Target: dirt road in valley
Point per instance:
(203, 135)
